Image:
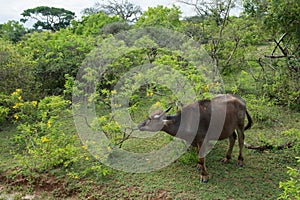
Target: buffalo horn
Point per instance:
(168, 109)
(164, 112)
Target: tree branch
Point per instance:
(233, 51)
(272, 56)
(278, 44)
(269, 146)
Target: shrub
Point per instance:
(46, 138)
(262, 109)
(15, 69)
(291, 187)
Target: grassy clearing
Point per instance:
(258, 179)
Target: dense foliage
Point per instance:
(258, 59)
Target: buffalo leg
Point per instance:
(201, 163)
(241, 145)
(230, 148)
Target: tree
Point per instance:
(161, 16)
(216, 15)
(15, 70)
(256, 8)
(48, 18)
(283, 22)
(280, 67)
(283, 17)
(217, 9)
(127, 11)
(55, 55)
(140, 65)
(114, 27)
(12, 30)
(93, 24)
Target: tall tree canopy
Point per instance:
(124, 9)
(48, 18)
(161, 16)
(92, 24)
(256, 8)
(12, 30)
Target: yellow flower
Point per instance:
(18, 91)
(34, 103)
(157, 105)
(206, 88)
(150, 94)
(84, 147)
(16, 116)
(103, 118)
(87, 158)
(18, 105)
(20, 98)
(45, 139)
(49, 123)
(76, 177)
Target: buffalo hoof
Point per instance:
(240, 163)
(204, 179)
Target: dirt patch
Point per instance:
(36, 182)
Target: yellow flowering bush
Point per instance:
(13, 108)
(9, 106)
(46, 140)
(42, 133)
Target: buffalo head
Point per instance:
(155, 121)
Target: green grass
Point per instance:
(6, 160)
(258, 179)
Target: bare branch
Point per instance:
(278, 43)
(124, 9)
(237, 42)
(125, 137)
(269, 146)
(201, 8)
(272, 56)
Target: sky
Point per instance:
(12, 9)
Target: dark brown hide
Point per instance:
(202, 121)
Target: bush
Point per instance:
(15, 69)
(262, 109)
(46, 139)
(291, 187)
(114, 28)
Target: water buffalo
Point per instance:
(205, 120)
